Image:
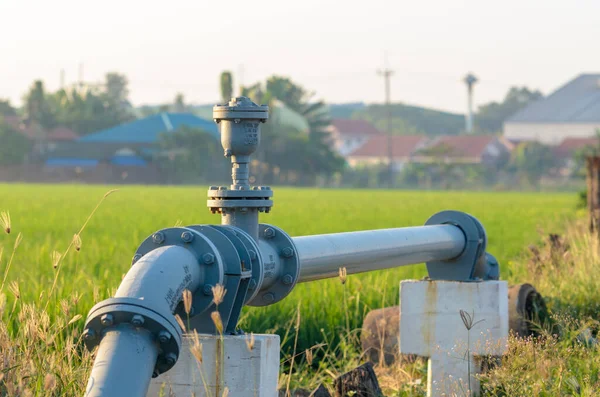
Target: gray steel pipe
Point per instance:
(124, 363)
(321, 256)
(127, 354)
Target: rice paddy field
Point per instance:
(47, 217)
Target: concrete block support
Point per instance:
(227, 362)
(431, 325)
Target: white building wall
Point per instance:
(550, 134)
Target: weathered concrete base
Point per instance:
(226, 362)
(431, 326)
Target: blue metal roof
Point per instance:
(578, 101)
(147, 130)
(70, 162)
(132, 161)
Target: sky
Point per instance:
(331, 47)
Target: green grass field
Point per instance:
(48, 216)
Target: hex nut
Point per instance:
(89, 334)
(158, 238)
(287, 252)
(207, 290)
(208, 258)
(164, 336)
(287, 279)
(137, 320)
(269, 232)
(252, 254)
(171, 359)
(187, 237)
(136, 258)
(269, 297)
(107, 320)
(252, 284)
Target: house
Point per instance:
(375, 150)
(572, 111)
(43, 139)
(566, 152)
(465, 149)
(348, 135)
(126, 144)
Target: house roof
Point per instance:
(354, 127)
(578, 101)
(32, 131)
(570, 145)
(62, 134)
(464, 145)
(377, 146)
(147, 130)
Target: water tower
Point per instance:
(470, 80)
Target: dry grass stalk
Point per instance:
(226, 392)
(196, 348)
(187, 301)
(343, 275)
(216, 318)
(5, 221)
(90, 216)
(219, 292)
(250, 342)
(77, 242)
(55, 258)
(180, 322)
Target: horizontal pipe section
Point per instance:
(321, 256)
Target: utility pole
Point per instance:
(386, 74)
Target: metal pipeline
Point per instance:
(138, 330)
(321, 256)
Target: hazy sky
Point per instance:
(331, 47)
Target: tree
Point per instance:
(532, 160)
(37, 108)
(191, 155)
(86, 110)
(291, 155)
(15, 146)
(490, 117)
(6, 108)
(116, 89)
(226, 86)
(179, 104)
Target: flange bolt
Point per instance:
(187, 237)
(207, 290)
(269, 232)
(164, 336)
(137, 320)
(136, 258)
(269, 297)
(252, 284)
(208, 259)
(288, 252)
(171, 359)
(158, 238)
(106, 320)
(89, 334)
(287, 279)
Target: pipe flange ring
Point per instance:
(209, 259)
(114, 312)
(468, 265)
(283, 281)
